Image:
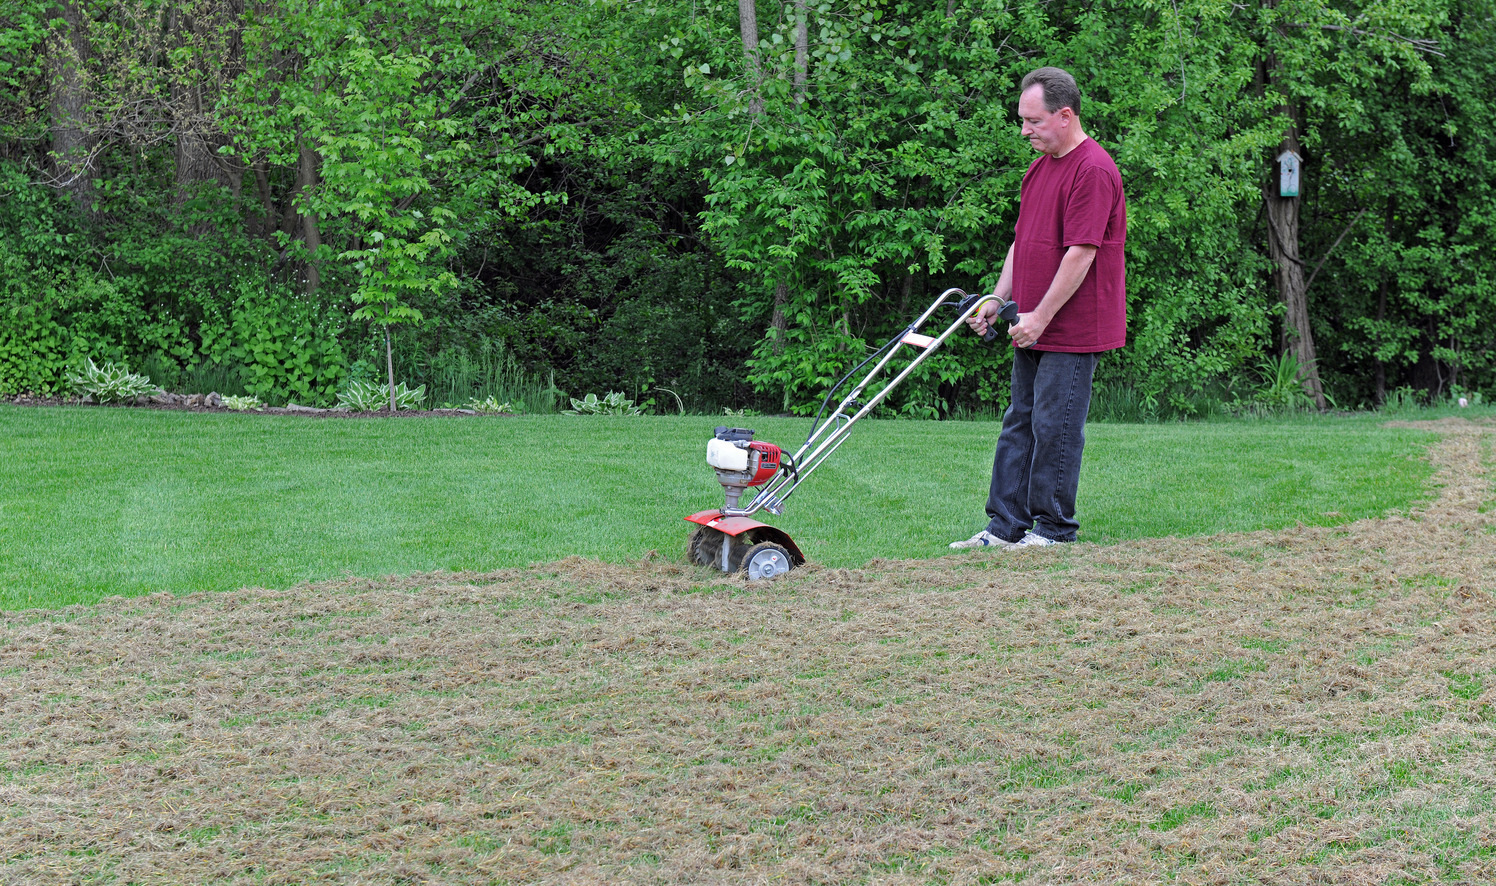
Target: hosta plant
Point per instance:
(490, 406)
(109, 383)
(364, 396)
(612, 404)
(243, 404)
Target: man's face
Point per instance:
(1045, 131)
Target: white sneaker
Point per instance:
(983, 539)
(1032, 539)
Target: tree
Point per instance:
(1313, 54)
(1406, 286)
(844, 160)
(69, 105)
(405, 125)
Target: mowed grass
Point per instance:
(98, 502)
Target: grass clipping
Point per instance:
(1306, 706)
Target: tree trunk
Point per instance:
(267, 200)
(1380, 373)
(198, 161)
(207, 39)
(907, 291)
(389, 362)
(779, 325)
(68, 105)
(306, 181)
(1283, 249)
(802, 50)
(1288, 273)
(748, 29)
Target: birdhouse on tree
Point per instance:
(1288, 173)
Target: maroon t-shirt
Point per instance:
(1065, 201)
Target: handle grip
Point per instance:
(1009, 312)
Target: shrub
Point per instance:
(490, 406)
(612, 404)
(364, 396)
(1281, 387)
(285, 345)
(243, 404)
(110, 383)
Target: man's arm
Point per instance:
(1073, 269)
(987, 316)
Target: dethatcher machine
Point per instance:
(728, 538)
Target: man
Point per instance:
(1065, 270)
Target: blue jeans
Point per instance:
(1037, 467)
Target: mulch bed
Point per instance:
(189, 403)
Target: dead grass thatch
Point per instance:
(1307, 706)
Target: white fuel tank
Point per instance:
(724, 456)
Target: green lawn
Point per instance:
(99, 501)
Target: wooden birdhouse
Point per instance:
(1288, 173)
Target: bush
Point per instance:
(243, 404)
(612, 404)
(486, 372)
(286, 343)
(109, 383)
(1281, 388)
(363, 396)
(490, 406)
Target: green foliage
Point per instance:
(36, 343)
(23, 72)
(166, 299)
(1404, 400)
(373, 163)
(286, 344)
(406, 154)
(1464, 399)
(362, 396)
(52, 312)
(487, 373)
(1282, 385)
(894, 173)
(613, 288)
(239, 403)
(490, 406)
(1404, 176)
(883, 185)
(109, 383)
(613, 403)
(205, 378)
(624, 200)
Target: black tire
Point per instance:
(765, 560)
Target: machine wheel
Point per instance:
(766, 560)
(704, 547)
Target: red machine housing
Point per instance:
(769, 457)
(756, 531)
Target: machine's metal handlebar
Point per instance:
(1007, 311)
(833, 433)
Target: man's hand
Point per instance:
(1028, 329)
(985, 317)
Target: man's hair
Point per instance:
(1059, 88)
